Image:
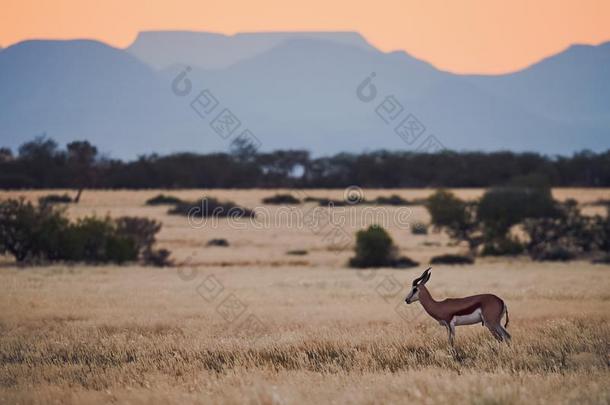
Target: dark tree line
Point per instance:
(42, 164)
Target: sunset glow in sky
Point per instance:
(466, 36)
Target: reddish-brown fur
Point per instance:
(491, 306)
(461, 311)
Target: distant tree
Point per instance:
(81, 159)
(243, 149)
(41, 163)
(502, 207)
(456, 217)
(41, 148)
(567, 234)
(6, 155)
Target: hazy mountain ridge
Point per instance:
(162, 49)
(573, 85)
(294, 90)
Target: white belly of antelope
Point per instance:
(475, 317)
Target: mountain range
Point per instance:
(294, 91)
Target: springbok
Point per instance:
(485, 308)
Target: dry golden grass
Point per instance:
(99, 334)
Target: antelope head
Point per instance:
(419, 281)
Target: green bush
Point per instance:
(218, 242)
(419, 229)
(456, 216)
(281, 199)
(325, 202)
(297, 252)
(374, 248)
(552, 252)
(55, 199)
(403, 262)
(452, 259)
(502, 207)
(603, 259)
(447, 210)
(211, 207)
(602, 226)
(555, 231)
(505, 246)
(93, 240)
(157, 257)
(601, 202)
(141, 230)
(26, 231)
(43, 233)
(120, 249)
(394, 199)
(568, 235)
(162, 199)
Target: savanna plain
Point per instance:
(251, 323)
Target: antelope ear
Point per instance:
(426, 276)
(420, 279)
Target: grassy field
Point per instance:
(252, 324)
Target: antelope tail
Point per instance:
(506, 311)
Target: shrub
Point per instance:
(502, 207)
(325, 202)
(218, 242)
(556, 231)
(456, 216)
(141, 230)
(604, 259)
(119, 249)
(211, 207)
(162, 199)
(43, 233)
(394, 199)
(600, 202)
(280, 199)
(374, 248)
(446, 209)
(26, 231)
(552, 252)
(96, 240)
(452, 259)
(419, 228)
(602, 228)
(297, 252)
(502, 247)
(404, 262)
(158, 257)
(55, 199)
(567, 235)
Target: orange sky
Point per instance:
(469, 36)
